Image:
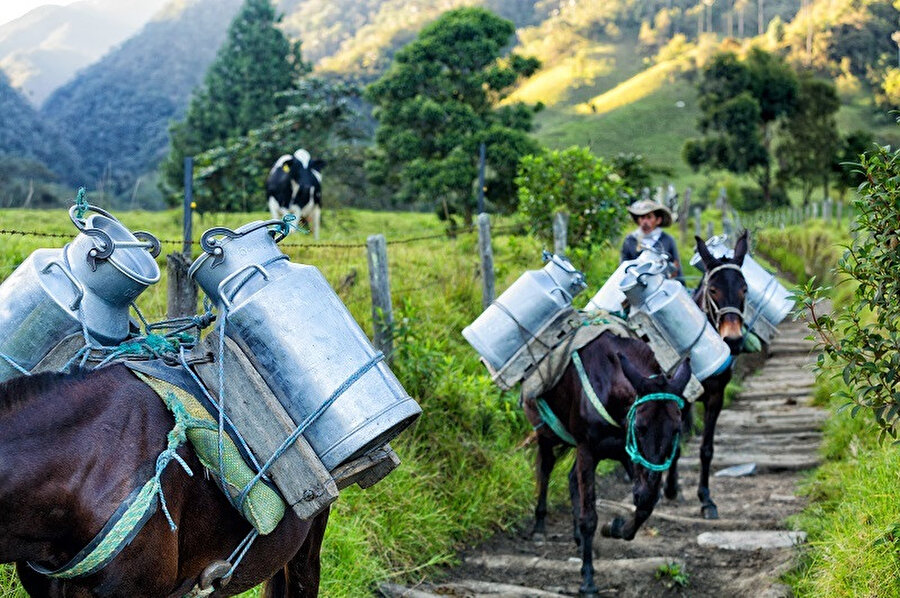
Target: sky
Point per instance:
(13, 9)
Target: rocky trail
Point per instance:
(770, 424)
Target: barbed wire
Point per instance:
(449, 235)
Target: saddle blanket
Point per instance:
(553, 365)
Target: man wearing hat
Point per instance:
(651, 217)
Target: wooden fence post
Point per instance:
(840, 213)
(181, 292)
(826, 206)
(684, 211)
(560, 230)
(487, 260)
(698, 227)
(709, 230)
(727, 227)
(382, 312)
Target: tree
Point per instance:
(811, 136)
(242, 88)
(846, 165)
(574, 181)
(437, 103)
(320, 116)
(740, 103)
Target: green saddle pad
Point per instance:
(264, 507)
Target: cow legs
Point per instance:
(316, 221)
(585, 463)
(546, 459)
(713, 406)
(275, 209)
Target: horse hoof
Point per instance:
(538, 537)
(709, 512)
(592, 593)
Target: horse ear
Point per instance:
(632, 374)
(682, 375)
(705, 255)
(740, 248)
(317, 165)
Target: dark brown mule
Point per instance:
(74, 446)
(721, 296)
(619, 370)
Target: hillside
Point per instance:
(117, 111)
(46, 47)
(26, 137)
(609, 68)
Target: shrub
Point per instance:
(576, 182)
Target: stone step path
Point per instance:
(770, 423)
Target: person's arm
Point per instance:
(629, 249)
(672, 250)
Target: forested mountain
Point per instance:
(594, 55)
(24, 134)
(117, 111)
(46, 47)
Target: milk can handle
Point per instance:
(213, 246)
(145, 240)
(226, 303)
(79, 290)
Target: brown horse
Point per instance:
(620, 370)
(74, 446)
(721, 296)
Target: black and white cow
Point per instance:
(294, 185)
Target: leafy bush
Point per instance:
(576, 182)
(863, 340)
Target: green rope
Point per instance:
(631, 446)
(81, 204)
(589, 391)
(549, 418)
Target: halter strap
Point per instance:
(713, 310)
(631, 446)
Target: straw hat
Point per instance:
(645, 206)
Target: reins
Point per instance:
(631, 446)
(712, 309)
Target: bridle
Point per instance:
(712, 309)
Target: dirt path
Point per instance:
(742, 554)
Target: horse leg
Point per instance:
(545, 461)
(585, 463)
(712, 409)
(671, 488)
(574, 501)
(687, 421)
(300, 577)
(645, 492)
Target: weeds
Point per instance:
(672, 575)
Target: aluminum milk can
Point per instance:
(610, 297)
(765, 294)
(303, 341)
(91, 281)
(682, 322)
(518, 315)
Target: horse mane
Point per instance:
(23, 388)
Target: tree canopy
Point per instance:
(242, 89)
(436, 104)
(740, 101)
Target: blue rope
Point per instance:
(12, 362)
(631, 446)
(310, 419)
